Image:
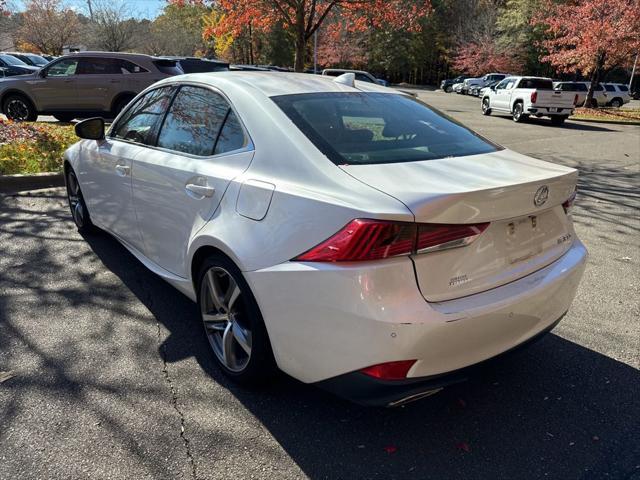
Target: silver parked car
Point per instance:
(82, 84)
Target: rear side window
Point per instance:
(168, 67)
(129, 67)
(623, 88)
(537, 83)
(373, 128)
(99, 66)
(363, 78)
(193, 121)
(141, 122)
(231, 136)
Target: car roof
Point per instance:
(113, 55)
(273, 83)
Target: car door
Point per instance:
(201, 147)
(106, 177)
(57, 89)
(98, 80)
(498, 98)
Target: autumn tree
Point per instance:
(49, 26)
(589, 36)
(487, 55)
(113, 27)
(302, 18)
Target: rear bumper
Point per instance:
(372, 392)
(328, 320)
(546, 111)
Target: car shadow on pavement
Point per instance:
(556, 409)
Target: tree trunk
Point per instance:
(594, 80)
(301, 40)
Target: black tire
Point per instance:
(448, 89)
(119, 105)
(19, 108)
(256, 367)
(77, 205)
(486, 110)
(558, 120)
(518, 114)
(64, 117)
(616, 103)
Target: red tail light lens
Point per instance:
(440, 237)
(534, 96)
(365, 239)
(390, 370)
(568, 204)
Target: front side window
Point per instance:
(141, 121)
(609, 88)
(510, 84)
(63, 68)
(193, 121)
(502, 85)
(373, 128)
(623, 88)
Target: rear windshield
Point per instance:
(372, 128)
(169, 67)
(537, 83)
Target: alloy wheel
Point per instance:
(517, 111)
(225, 320)
(616, 103)
(485, 105)
(75, 200)
(17, 109)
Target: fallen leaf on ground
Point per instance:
(4, 376)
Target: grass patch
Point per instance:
(33, 147)
(618, 115)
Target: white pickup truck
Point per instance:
(525, 96)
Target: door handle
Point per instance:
(200, 190)
(123, 170)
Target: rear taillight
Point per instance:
(390, 370)
(441, 237)
(534, 96)
(366, 239)
(568, 204)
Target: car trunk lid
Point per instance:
(521, 198)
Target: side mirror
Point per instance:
(42, 73)
(91, 128)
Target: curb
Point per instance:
(612, 122)
(21, 183)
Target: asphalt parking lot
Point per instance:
(112, 377)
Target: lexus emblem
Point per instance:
(541, 196)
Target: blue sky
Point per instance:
(139, 8)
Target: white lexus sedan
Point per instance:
(342, 232)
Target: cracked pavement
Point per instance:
(113, 378)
